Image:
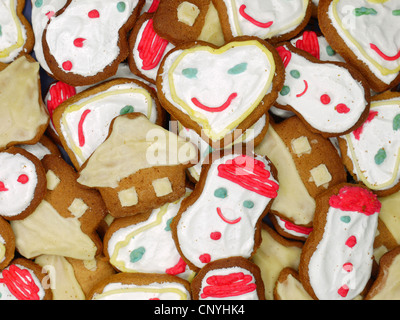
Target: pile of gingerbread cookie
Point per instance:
(199, 149)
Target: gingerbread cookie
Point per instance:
(222, 217)
(65, 222)
(16, 35)
(139, 167)
(273, 19)
(218, 99)
(331, 98)
(141, 286)
(337, 258)
(90, 49)
(289, 229)
(22, 183)
(82, 121)
(289, 287)
(7, 243)
(233, 278)
(371, 152)
(23, 117)
(349, 27)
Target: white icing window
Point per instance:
(78, 207)
(128, 197)
(162, 187)
(52, 180)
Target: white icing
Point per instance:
(38, 149)
(359, 32)
(286, 16)
(326, 264)
(19, 196)
(101, 45)
(330, 79)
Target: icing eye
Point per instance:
(330, 51)
(221, 193)
(285, 91)
(325, 99)
(239, 68)
(396, 12)
(363, 11)
(23, 178)
(295, 74)
(248, 204)
(190, 73)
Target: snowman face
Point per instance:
(219, 88)
(326, 95)
(222, 222)
(265, 18)
(18, 180)
(372, 30)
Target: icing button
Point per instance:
(67, 65)
(205, 258)
(93, 14)
(215, 235)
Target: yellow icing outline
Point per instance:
(20, 39)
(355, 161)
(384, 71)
(270, 34)
(151, 290)
(197, 116)
(75, 107)
(2, 251)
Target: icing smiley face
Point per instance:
(265, 19)
(370, 29)
(218, 88)
(222, 221)
(326, 95)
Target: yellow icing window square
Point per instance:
(128, 197)
(78, 207)
(162, 187)
(301, 145)
(52, 180)
(188, 13)
(321, 175)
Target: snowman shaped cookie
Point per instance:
(221, 217)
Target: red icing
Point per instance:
(296, 228)
(325, 99)
(50, 14)
(2, 187)
(154, 6)
(59, 93)
(231, 285)
(384, 56)
(81, 136)
(351, 241)
(252, 20)
(343, 291)
(151, 47)
(356, 199)
(359, 130)
(227, 103)
(215, 235)
(67, 65)
(250, 174)
(305, 90)
(23, 178)
(205, 258)
(285, 55)
(342, 108)
(309, 43)
(227, 220)
(78, 42)
(348, 267)
(94, 14)
(180, 267)
(20, 283)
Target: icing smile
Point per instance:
(305, 90)
(227, 103)
(384, 56)
(252, 20)
(227, 220)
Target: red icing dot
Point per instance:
(93, 14)
(348, 267)
(205, 258)
(78, 42)
(325, 99)
(343, 290)
(351, 242)
(67, 65)
(50, 14)
(215, 235)
(23, 178)
(2, 187)
(342, 108)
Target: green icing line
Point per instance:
(364, 11)
(396, 12)
(127, 109)
(380, 156)
(137, 254)
(239, 68)
(190, 73)
(396, 122)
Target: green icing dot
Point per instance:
(345, 219)
(190, 73)
(221, 193)
(330, 51)
(380, 156)
(248, 204)
(38, 3)
(365, 11)
(126, 109)
(168, 227)
(295, 74)
(396, 12)
(239, 68)
(285, 90)
(1, 33)
(396, 122)
(137, 254)
(121, 6)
